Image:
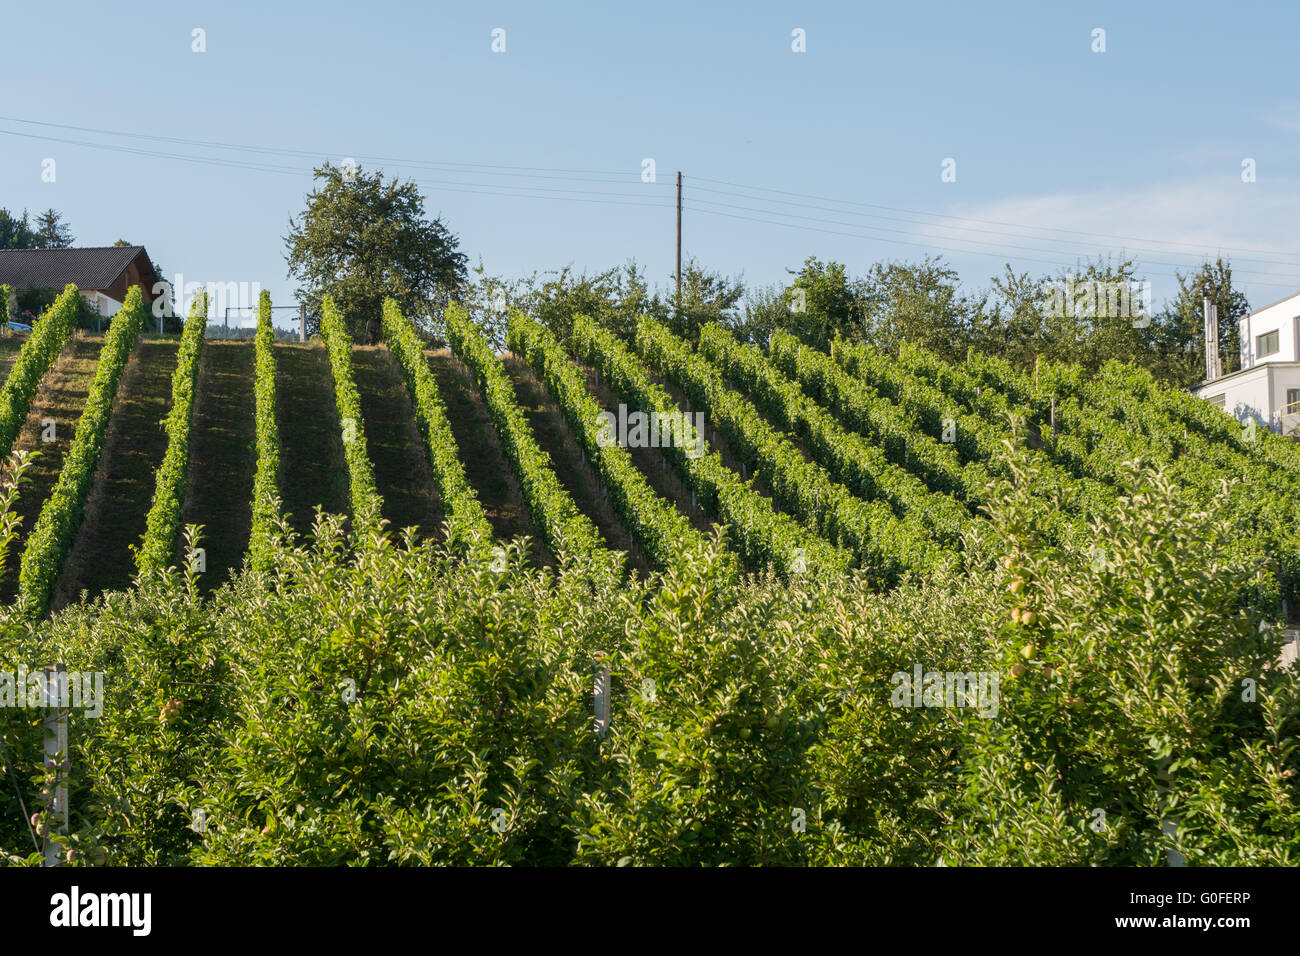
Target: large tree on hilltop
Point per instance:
(361, 239)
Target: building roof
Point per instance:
(1265, 308)
(1231, 377)
(89, 269)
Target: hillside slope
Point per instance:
(101, 558)
(486, 465)
(10, 346)
(402, 472)
(223, 458)
(571, 467)
(311, 465)
(61, 397)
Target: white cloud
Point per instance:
(1169, 227)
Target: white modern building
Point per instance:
(1267, 387)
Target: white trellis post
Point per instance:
(54, 729)
(600, 696)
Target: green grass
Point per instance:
(10, 346)
(486, 465)
(402, 472)
(312, 468)
(223, 457)
(62, 396)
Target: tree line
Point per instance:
(1085, 316)
(47, 231)
(363, 238)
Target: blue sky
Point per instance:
(1061, 153)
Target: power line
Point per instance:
(285, 151)
(621, 176)
(609, 197)
(1057, 263)
(846, 212)
(995, 222)
(490, 189)
(937, 239)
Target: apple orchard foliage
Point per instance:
(740, 704)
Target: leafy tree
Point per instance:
(362, 239)
(765, 309)
(15, 233)
(1181, 326)
(1091, 324)
(1086, 315)
(1013, 325)
(706, 297)
(613, 298)
(820, 303)
(824, 303)
(916, 302)
(52, 232)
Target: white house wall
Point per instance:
(1258, 393)
(1284, 377)
(1246, 394)
(101, 303)
(1281, 317)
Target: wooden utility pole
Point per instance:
(678, 273)
(302, 322)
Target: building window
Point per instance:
(1218, 401)
(1292, 401)
(1267, 344)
